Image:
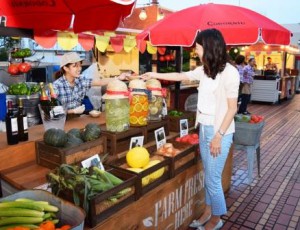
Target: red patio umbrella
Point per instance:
(90, 15)
(239, 26)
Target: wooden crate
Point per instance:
(187, 157)
(51, 157)
(141, 190)
(148, 130)
(119, 142)
(100, 208)
(174, 122)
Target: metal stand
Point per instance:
(250, 158)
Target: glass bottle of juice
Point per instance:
(156, 102)
(116, 106)
(139, 103)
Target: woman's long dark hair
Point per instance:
(215, 56)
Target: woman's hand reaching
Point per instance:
(147, 76)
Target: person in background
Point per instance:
(240, 64)
(217, 104)
(71, 87)
(270, 65)
(248, 74)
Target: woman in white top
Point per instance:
(217, 105)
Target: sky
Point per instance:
(280, 11)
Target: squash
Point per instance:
(72, 141)
(55, 137)
(75, 132)
(91, 132)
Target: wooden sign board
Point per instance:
(172, 205)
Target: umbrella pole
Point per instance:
(177, 83)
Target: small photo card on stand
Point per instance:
(160, 137)
(184, 127)
(136, 142)
(92, 161)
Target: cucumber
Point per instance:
(9, 212)
(21, 220)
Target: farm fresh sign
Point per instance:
(178, 206)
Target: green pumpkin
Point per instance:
(91, 132)
(72, 141)
(55, 137)
(75, 132)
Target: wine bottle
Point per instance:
(56, 107)
(53, 97)
(44, 102)
(22, 122)
(44, 99)
(11, 125)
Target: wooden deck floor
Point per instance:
(274, 200)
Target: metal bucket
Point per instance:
(30, 104)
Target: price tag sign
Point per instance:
(92, 161)
(184, 127)
(160, 137)
(136, 142)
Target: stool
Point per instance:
(250, 158)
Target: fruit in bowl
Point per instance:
(95, 113)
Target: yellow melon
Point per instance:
(137, 157)
(156, 174)
(145, 180)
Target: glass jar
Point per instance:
(139, 110)
(155, 108)
(117, 114)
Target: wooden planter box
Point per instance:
(141, 190)
(100, 208)
(187, 157)
(148, 130)
(174, 122)
(51, 157)
(119, 142)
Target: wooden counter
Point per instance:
(24, 152)
(171, 205)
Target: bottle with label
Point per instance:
(53, 97)
(44, 103)
(11, 125)
(22, 122)
(44, 99)
(57, 109)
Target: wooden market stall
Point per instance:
(180, 199)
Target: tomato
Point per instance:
(195, 136)
(24, 67)
(178, 139)
(13, 69)
(168, 58)
(172, 57)
(162, 58)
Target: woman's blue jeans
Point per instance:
(213, 168)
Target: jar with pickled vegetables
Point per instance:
(156, 103)
(139, 103)
(117, 106)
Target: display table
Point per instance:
(173, 204)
